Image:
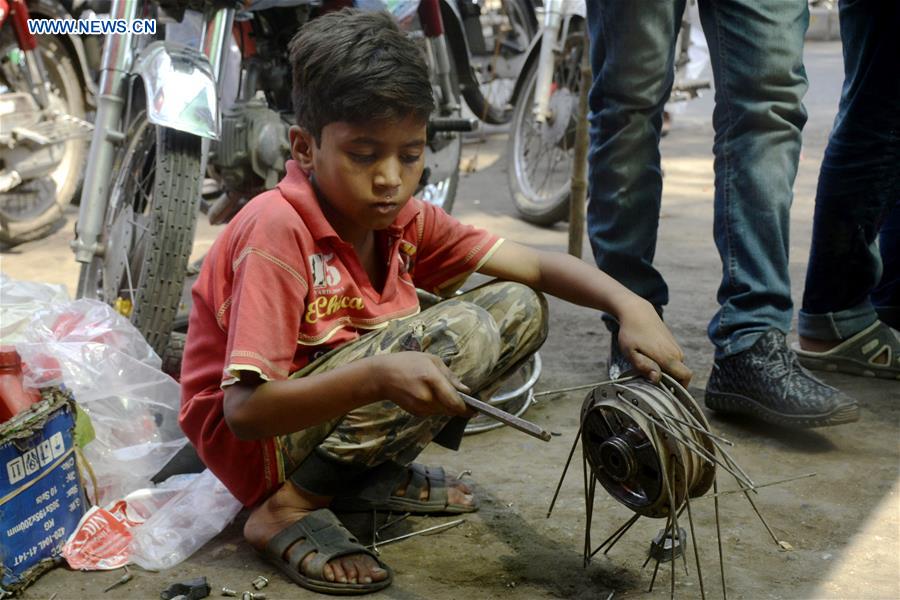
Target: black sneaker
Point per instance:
(767, 381)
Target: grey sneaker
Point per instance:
(767, 381)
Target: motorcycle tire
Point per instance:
(149, 229)
(554, 141)
(514, 19)
(27, 215)
(171, 358)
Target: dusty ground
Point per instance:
(843, 524)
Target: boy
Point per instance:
(317, 278)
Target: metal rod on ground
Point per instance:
(760, 486)
(687, 501)
(433, 529)
(659, 560)
(590, 490)
(578, 193)
(675, 536)
(762, 519)
(625, 529)
(565, 470)
(719, 535)
(681, 542)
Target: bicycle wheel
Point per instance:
(542, 153)
(149, 229)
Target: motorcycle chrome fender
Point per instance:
(180, 89)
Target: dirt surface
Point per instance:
(843, 524)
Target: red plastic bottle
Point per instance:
(14, 396)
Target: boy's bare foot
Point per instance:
(457, 491)
(287, 506)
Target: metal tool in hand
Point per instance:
(505, 417)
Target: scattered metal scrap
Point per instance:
(192, 589)
(260, 582)
(120, 581)
(428, 530)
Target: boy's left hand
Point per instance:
(648, 344)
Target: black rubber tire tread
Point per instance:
(171, 359)
(546, 213)
(480, 106)
(173, 220)
(13, 233)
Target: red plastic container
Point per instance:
(14, 396)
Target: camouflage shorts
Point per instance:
(481, 335)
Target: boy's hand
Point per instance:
(421, 384)
(648, 344)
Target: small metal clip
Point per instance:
(260, 582)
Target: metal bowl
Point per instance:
(514, 396)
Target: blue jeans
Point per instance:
(756, 51)
(848, 278)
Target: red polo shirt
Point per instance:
(279, 288)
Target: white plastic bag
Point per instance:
(19, 301)
(185, 523)
(133, 407)
(156, 528)
(114, 375)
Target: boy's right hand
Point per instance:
(419, 383)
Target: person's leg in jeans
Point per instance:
(886, 297)
(632, 52)
(756, 52)
(859, 188)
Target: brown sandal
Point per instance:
(321, 532)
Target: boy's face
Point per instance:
(364, 174)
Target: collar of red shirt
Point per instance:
(296, 189)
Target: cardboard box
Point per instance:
(41, 494)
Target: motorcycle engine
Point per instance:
(250, 154)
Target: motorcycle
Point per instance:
(169, 113)
(46, 90)
(542, 134)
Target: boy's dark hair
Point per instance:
(356, 66)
